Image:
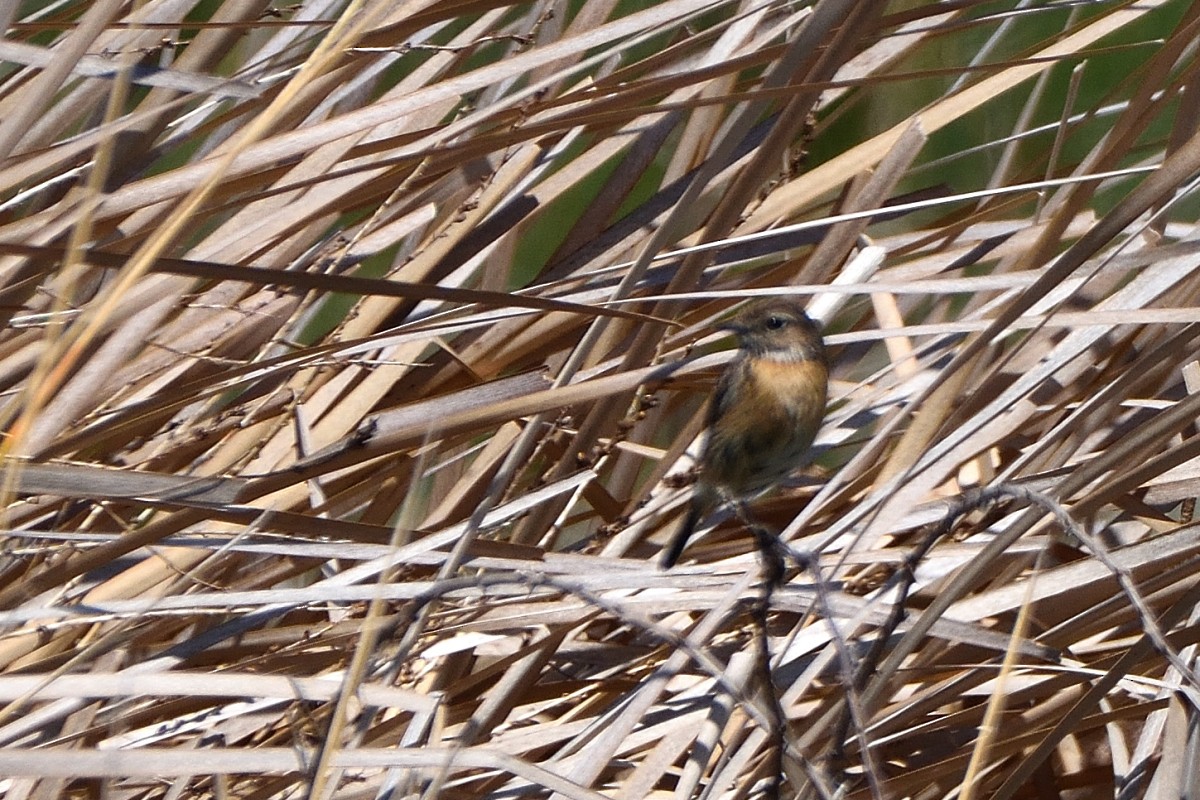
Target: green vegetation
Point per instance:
(353, 352)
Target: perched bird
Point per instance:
(765, 412)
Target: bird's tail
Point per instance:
(702, 503)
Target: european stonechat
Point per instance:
(765, 412)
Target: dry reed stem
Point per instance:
(354, 352)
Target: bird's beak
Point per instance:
(732, 327)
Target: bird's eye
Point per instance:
(775, 323)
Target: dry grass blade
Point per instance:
(355, 360)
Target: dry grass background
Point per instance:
(353, 350)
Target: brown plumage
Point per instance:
(765, 412)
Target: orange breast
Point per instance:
(789, 382)
(768, 425)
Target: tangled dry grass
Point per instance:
(354, 352)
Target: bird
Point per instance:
(765, 412)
